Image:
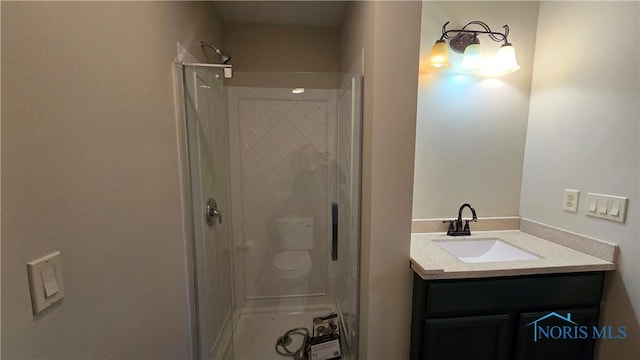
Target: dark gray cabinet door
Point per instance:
(476, 337)
(559, 336)
(476, 319)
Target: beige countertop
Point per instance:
(431, 262)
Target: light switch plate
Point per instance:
(40, 271)
(607, 207)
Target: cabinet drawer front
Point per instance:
(504, 294)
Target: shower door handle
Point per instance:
(212, 213)
(334, 231)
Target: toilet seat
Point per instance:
(292, 264)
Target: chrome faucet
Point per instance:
(455, 226)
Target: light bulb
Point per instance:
(472, 60)
(505, 61)
(439, 57)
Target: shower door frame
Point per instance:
(188, 211)
(192, 263)
(355, 83)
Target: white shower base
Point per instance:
(257, 329)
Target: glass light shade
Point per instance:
(506, 60)
(472, 60)
(439, 57)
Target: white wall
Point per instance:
(471, 130)
(390, 78)
(583, 134)
(90, 167)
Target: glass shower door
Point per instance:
(347, 194)
(208, 143)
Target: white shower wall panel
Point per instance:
(281, 152)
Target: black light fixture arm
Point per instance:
(494, 35)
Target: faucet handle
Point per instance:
(451, 229)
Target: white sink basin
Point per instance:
(484, 250)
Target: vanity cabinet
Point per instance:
(496, 318)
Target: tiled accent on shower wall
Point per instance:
(283, 144)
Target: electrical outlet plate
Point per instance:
(607, 207)
(570, 200)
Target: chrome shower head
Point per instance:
(222, 56)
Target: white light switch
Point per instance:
(607, 207)
(45, 281)
(602, 206)
(49, 281)
(615, 208)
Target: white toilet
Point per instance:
(293, 263)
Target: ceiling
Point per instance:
(302, 13)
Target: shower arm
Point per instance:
(223, 57)
(204, 43)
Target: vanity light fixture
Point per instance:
(465, 41)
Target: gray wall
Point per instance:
(471, 130)
(90, 167)
(583, 134)
(282, 48)
(374, 29)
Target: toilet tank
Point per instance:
(296, 233)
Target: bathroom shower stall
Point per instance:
(273, 180)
